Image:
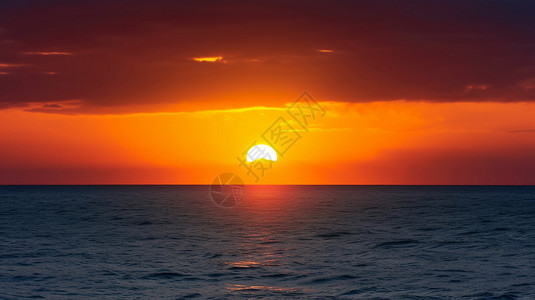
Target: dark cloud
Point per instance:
(140, 52)
(52, 106)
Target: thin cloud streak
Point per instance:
(208, 59)
(10, 65)
(47, 53)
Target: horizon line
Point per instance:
(203, 184)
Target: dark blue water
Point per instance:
(308, 242)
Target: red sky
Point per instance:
(418, 92)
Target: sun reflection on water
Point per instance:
(259, 247)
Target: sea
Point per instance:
(280, 242)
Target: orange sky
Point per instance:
(173, 92)
(396, 142)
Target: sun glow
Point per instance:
(397, 142)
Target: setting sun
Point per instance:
(261, 152)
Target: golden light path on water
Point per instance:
(259, 246)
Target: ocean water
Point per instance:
(304, 242)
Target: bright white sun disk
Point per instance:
(261, 151)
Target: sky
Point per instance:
(175, 92)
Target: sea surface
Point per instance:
(303, 242)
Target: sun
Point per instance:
(261, 151)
